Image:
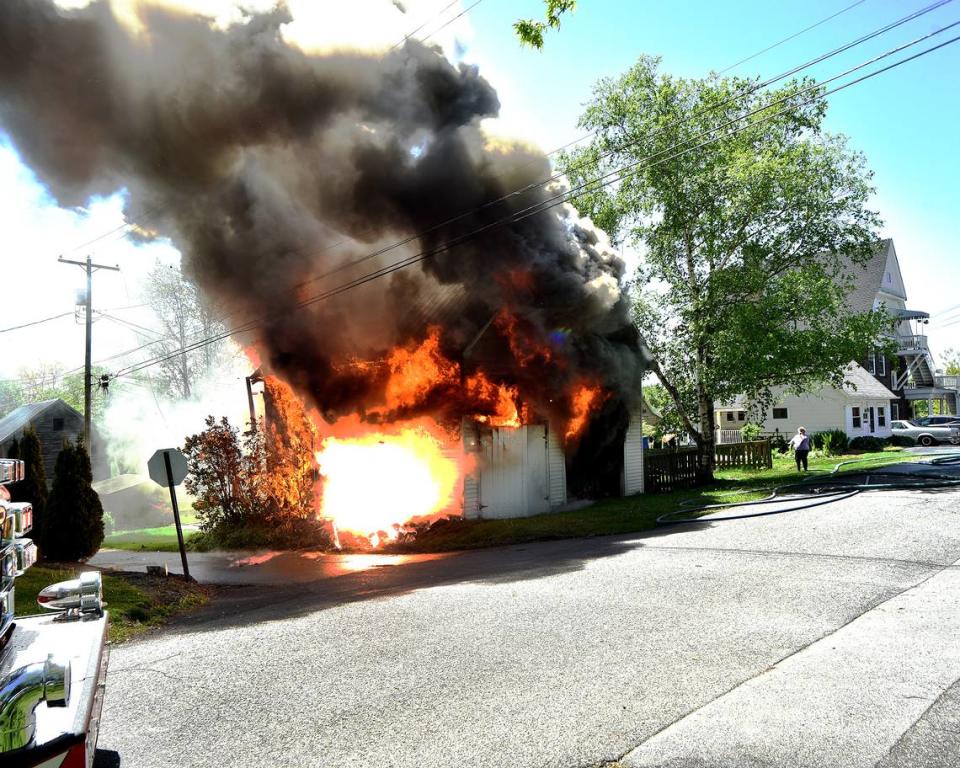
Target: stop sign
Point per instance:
(158, 469)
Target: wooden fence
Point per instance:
(753, 455)
(670, 470)
(673, 469)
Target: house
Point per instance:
(911, 374)
(54, 421)
(861, 408)
(880, 389)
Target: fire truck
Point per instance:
(53, 665)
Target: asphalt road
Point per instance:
(819, 638)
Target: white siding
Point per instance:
(556, 470)
(513, 472)
(471, 483)
(633, 456)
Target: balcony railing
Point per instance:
(911, 343)
(948, 382)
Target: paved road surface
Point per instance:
(821, 638)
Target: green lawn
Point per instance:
(162, 539)
(633, 513)
(136, 602)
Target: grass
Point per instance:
(136, 602)
(162, 539)
(632, 514)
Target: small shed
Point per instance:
(521, 471)
(54, 421)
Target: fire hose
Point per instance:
(839, 489)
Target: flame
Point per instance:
(584, 399)
(525, 348)
(415, 371)
(379, 481)
(501, 398)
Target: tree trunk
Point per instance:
(708, 436)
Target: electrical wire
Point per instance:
(791, 37)
(37, 322)
(590, 186)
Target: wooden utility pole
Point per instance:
(90, 268)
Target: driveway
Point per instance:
(820, 638)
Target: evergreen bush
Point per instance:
(750, 432)
(74, 515)
(33, 487)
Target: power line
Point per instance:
(791, 37)
(36, 322)
(437, 15)
(557, 176)
(625, 145)
(590, 186)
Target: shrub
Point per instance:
(833, 442)
(901, 441)
(750, 432)
(867, 443)
(74, 517)
(33, 488)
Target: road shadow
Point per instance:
(239, 606)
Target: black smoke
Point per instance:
(275, 172)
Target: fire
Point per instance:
(502, 398)
(376, 482)
(416, 370)
(583, 401)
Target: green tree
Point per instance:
(741, 287)
(951, 362)
(530, 31)
(659, 399)
(73, 529)
(33, 487)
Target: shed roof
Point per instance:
(19, 418)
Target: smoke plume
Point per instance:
(275, 171)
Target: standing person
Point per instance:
(801, 448)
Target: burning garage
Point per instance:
(458, 338)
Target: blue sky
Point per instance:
(906, 122)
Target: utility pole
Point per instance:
(90, 268)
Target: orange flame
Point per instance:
(415, 371)
(583, 401)
(502, 399)
(524, 348)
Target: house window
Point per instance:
(58, 425)
(895, 411)
(872, 363)
(741, 416)
(780, 413)
(881, 364)
(855, 413)
(729, 415)
(881, 417)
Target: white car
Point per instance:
(930, 435)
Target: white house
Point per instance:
(860, 408)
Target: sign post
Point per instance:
(168, 466)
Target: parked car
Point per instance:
(937, 421)
(926, 435)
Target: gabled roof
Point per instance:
(858, 382)
(868, 278)
(18, 419)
